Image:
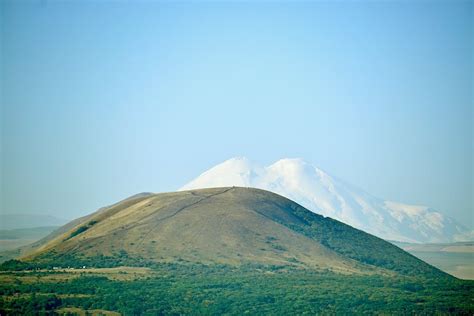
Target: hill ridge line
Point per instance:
(178, 211)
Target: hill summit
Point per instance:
(230, 225)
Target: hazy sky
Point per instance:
(101, 100)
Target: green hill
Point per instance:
(234, 226)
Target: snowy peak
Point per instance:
(321, 193)
(237, 171)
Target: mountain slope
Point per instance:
(225, 225)
(329, 196)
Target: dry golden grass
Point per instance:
(118, 273)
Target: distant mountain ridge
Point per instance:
(327, 195)
(29, 220)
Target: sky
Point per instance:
(104, 99)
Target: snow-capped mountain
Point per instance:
(327, 195)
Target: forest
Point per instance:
(183, 288)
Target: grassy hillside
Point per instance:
(28, 248)
(222, 226)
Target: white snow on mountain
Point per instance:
(329, 196)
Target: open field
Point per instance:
(64, 274)
(461, 265)
(83, 312)
(14, 238)
(454, 258)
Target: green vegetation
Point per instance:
(358, 245)
(175, 289)
(82, 229)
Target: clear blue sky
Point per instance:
(101, 100)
